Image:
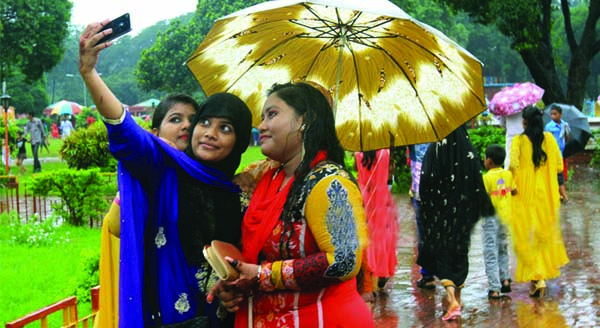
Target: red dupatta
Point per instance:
(265, 209)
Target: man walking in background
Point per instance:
(35, 128)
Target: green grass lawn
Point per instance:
(35, 277)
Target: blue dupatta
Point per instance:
(147, 178)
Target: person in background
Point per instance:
(35, 129)
(499, 185)
(55, 133)
(512, 124)
(255, 140)
(453, 198)
(65, 127)
(173, 202)
(416, 154)
(537, 237)
(382, 218)
(304, 234)
(562, 133)
(21, 151)
(171, 121)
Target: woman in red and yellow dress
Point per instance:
(304, 232)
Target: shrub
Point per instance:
(81, 118)
(402, 175)
(80, 192)
(595, 162)
(484, 136)
(88, 276)
(88, 148)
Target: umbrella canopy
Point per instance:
(64, 107)
(393, 79)
(515, 98)
(579, 125)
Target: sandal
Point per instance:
(537, 289)
(453, 313)
(506, 286)
(494, 295)
(427, 283)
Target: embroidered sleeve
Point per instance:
(336, 218)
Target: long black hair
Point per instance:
(319, 133)
(534, 130)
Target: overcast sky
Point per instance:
(143, 13)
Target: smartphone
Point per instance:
(120, 25)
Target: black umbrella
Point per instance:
(579, 124)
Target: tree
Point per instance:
(162, 66)
(528, 25)
(31, 36)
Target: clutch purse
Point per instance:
(215, 255)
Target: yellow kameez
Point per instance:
(108, 313)
(535, 229)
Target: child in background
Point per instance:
(562, 133)
(499, 185)
(22, 151)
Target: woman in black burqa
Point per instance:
(453, 198)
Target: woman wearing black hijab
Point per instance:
(453, 198)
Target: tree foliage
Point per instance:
(31, 36)
(162, 66)
(528, 25)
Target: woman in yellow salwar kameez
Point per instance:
(536, 232)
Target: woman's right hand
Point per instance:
(88, 50)
(229, 296)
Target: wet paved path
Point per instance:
(572, 300)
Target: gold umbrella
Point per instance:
(394, 80)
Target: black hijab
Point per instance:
(208, 212)
(226, 105)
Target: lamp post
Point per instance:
(5, 101)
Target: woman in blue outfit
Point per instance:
(173, 202)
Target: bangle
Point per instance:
(259, 272)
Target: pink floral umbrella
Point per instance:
(515, 98)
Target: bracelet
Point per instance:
(259, 272)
